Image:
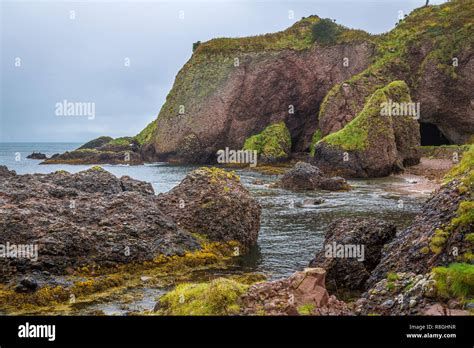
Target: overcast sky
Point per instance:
(47, 57)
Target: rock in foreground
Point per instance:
(304, 176)
(352, 249)
(441, 233)
(213, 203)
(88, 218)
(303, 293)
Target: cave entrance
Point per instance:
(430, 135)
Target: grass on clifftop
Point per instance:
(273, 143)
(218, 297)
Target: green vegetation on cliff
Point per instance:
(464, 219)
(314, 140)
(465, 166)
(444, 30)
(355, 135)
(273, 143)
(146, 134)
(325, 31)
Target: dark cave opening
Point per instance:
(430, 135)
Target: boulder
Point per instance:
(273, 144)
(302, 293)
(212, 202)
(399, 294)
(352, 249)
(304, 176)
(373, 144)
(83, 219)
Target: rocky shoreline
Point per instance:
(97, 235)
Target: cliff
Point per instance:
(314, 78)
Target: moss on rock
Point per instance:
(272, 144)
(355, 135)
(217, 297)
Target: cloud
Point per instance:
(82, 59)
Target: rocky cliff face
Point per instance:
(431, 50)
(232, 89)
(372, 144)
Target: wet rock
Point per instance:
(29, 283)
(310, 202)
(335, 183)
(87, 218)
(469, 305)
(352, 249)
(304, 176)
(212, 202)
(37, 155)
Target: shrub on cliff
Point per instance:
(196, 45)
(272, 144)
(325, 31)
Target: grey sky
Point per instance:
(82, 60)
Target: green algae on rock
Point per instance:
(218, 297)
(272, 144)
(93, 283)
